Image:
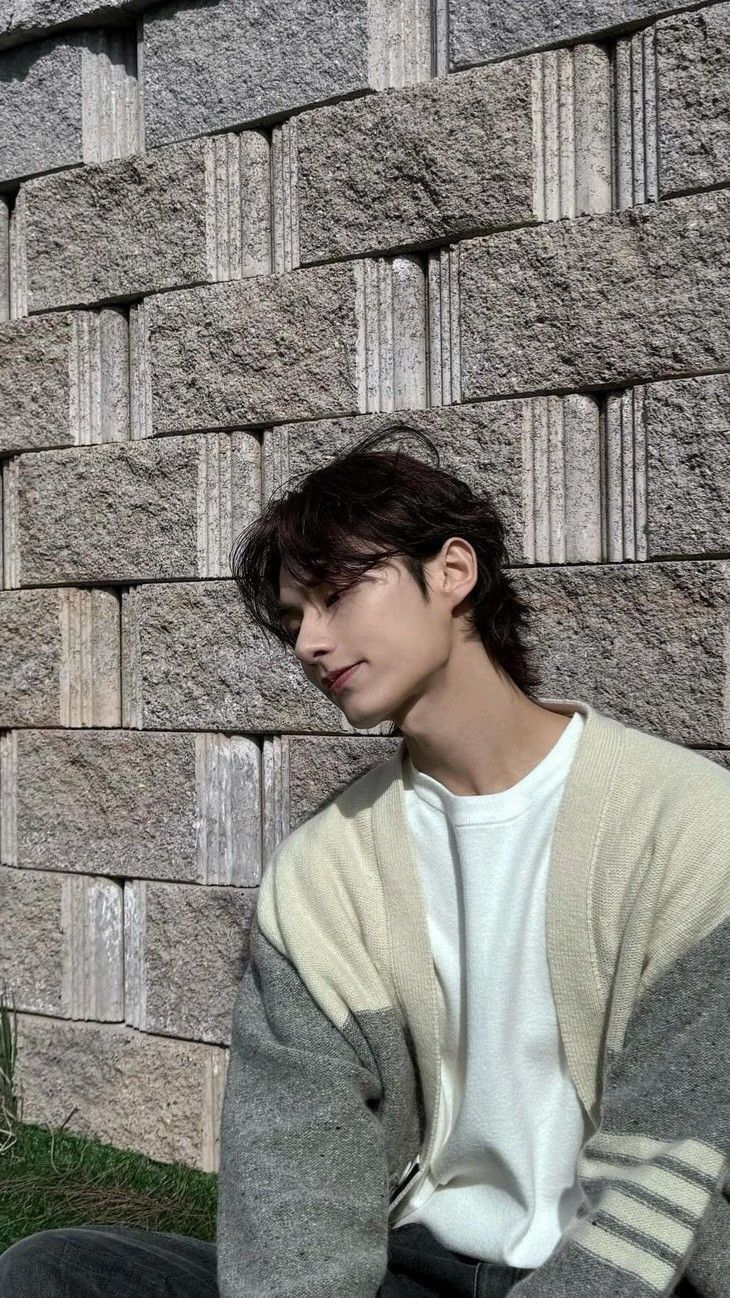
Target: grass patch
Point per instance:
(50, 1177)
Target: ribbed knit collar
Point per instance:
(575, 979)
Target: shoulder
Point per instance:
(682, 780)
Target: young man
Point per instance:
(481, 1043)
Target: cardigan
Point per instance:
(503, 1183)
(332, 1087)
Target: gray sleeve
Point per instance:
(655, 1171)
(303, 1177)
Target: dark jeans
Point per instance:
(124, 1262)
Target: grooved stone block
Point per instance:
(61, 944)
(59, 658)
(83, 88)
(538, 458)
(147, 510)
(193, 660)
(156, 1095)
(644, 642)
(641, 294)
(479, 31)
(688, 438)
(406, 166)
(64, 379)
(157, 220)
(324, 341)
(276, 58)
(181, 807)
(303, 773)
(694, 116)
(185, 950)
(524, 141)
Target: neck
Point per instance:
(475, 731)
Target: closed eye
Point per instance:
(293, 631)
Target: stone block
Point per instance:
(83, 87)
(143, 511)
(302, 773)
(643, 642)
(694, 115)
(64, 380)
(59, 658)
(277, 59)
(156, 1095)
(61, 943)
(181, 215)
(324, 341)
(185, 949)
(480, 32)
(538, 458)
(407, 166)
(181, 807)
(637, 295)
(499, 146)
(193, 660)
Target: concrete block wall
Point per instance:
(511, 222)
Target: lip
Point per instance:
(343, 679)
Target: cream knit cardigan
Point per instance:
(338, 1012)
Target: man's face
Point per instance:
(383, 624)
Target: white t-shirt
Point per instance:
(503, 1184)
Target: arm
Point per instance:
(655, 1169)
(303, 1181)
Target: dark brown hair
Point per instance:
(366, 506)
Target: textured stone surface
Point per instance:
(693, 52)
(271, 347)
(500, 448)
(181, 807)
(117, 228)
(193, 660)
(35, 382)
(153, 1094)
(147, 510)
(59, 658)
(185, 949)
(480, 31)
(82, 87)
(406, 166)
(642, 294)
(222, 65)
(643, 642)
(688, 441)
(137, 225)
(302, 773)
(61, 943)
(64, 379)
